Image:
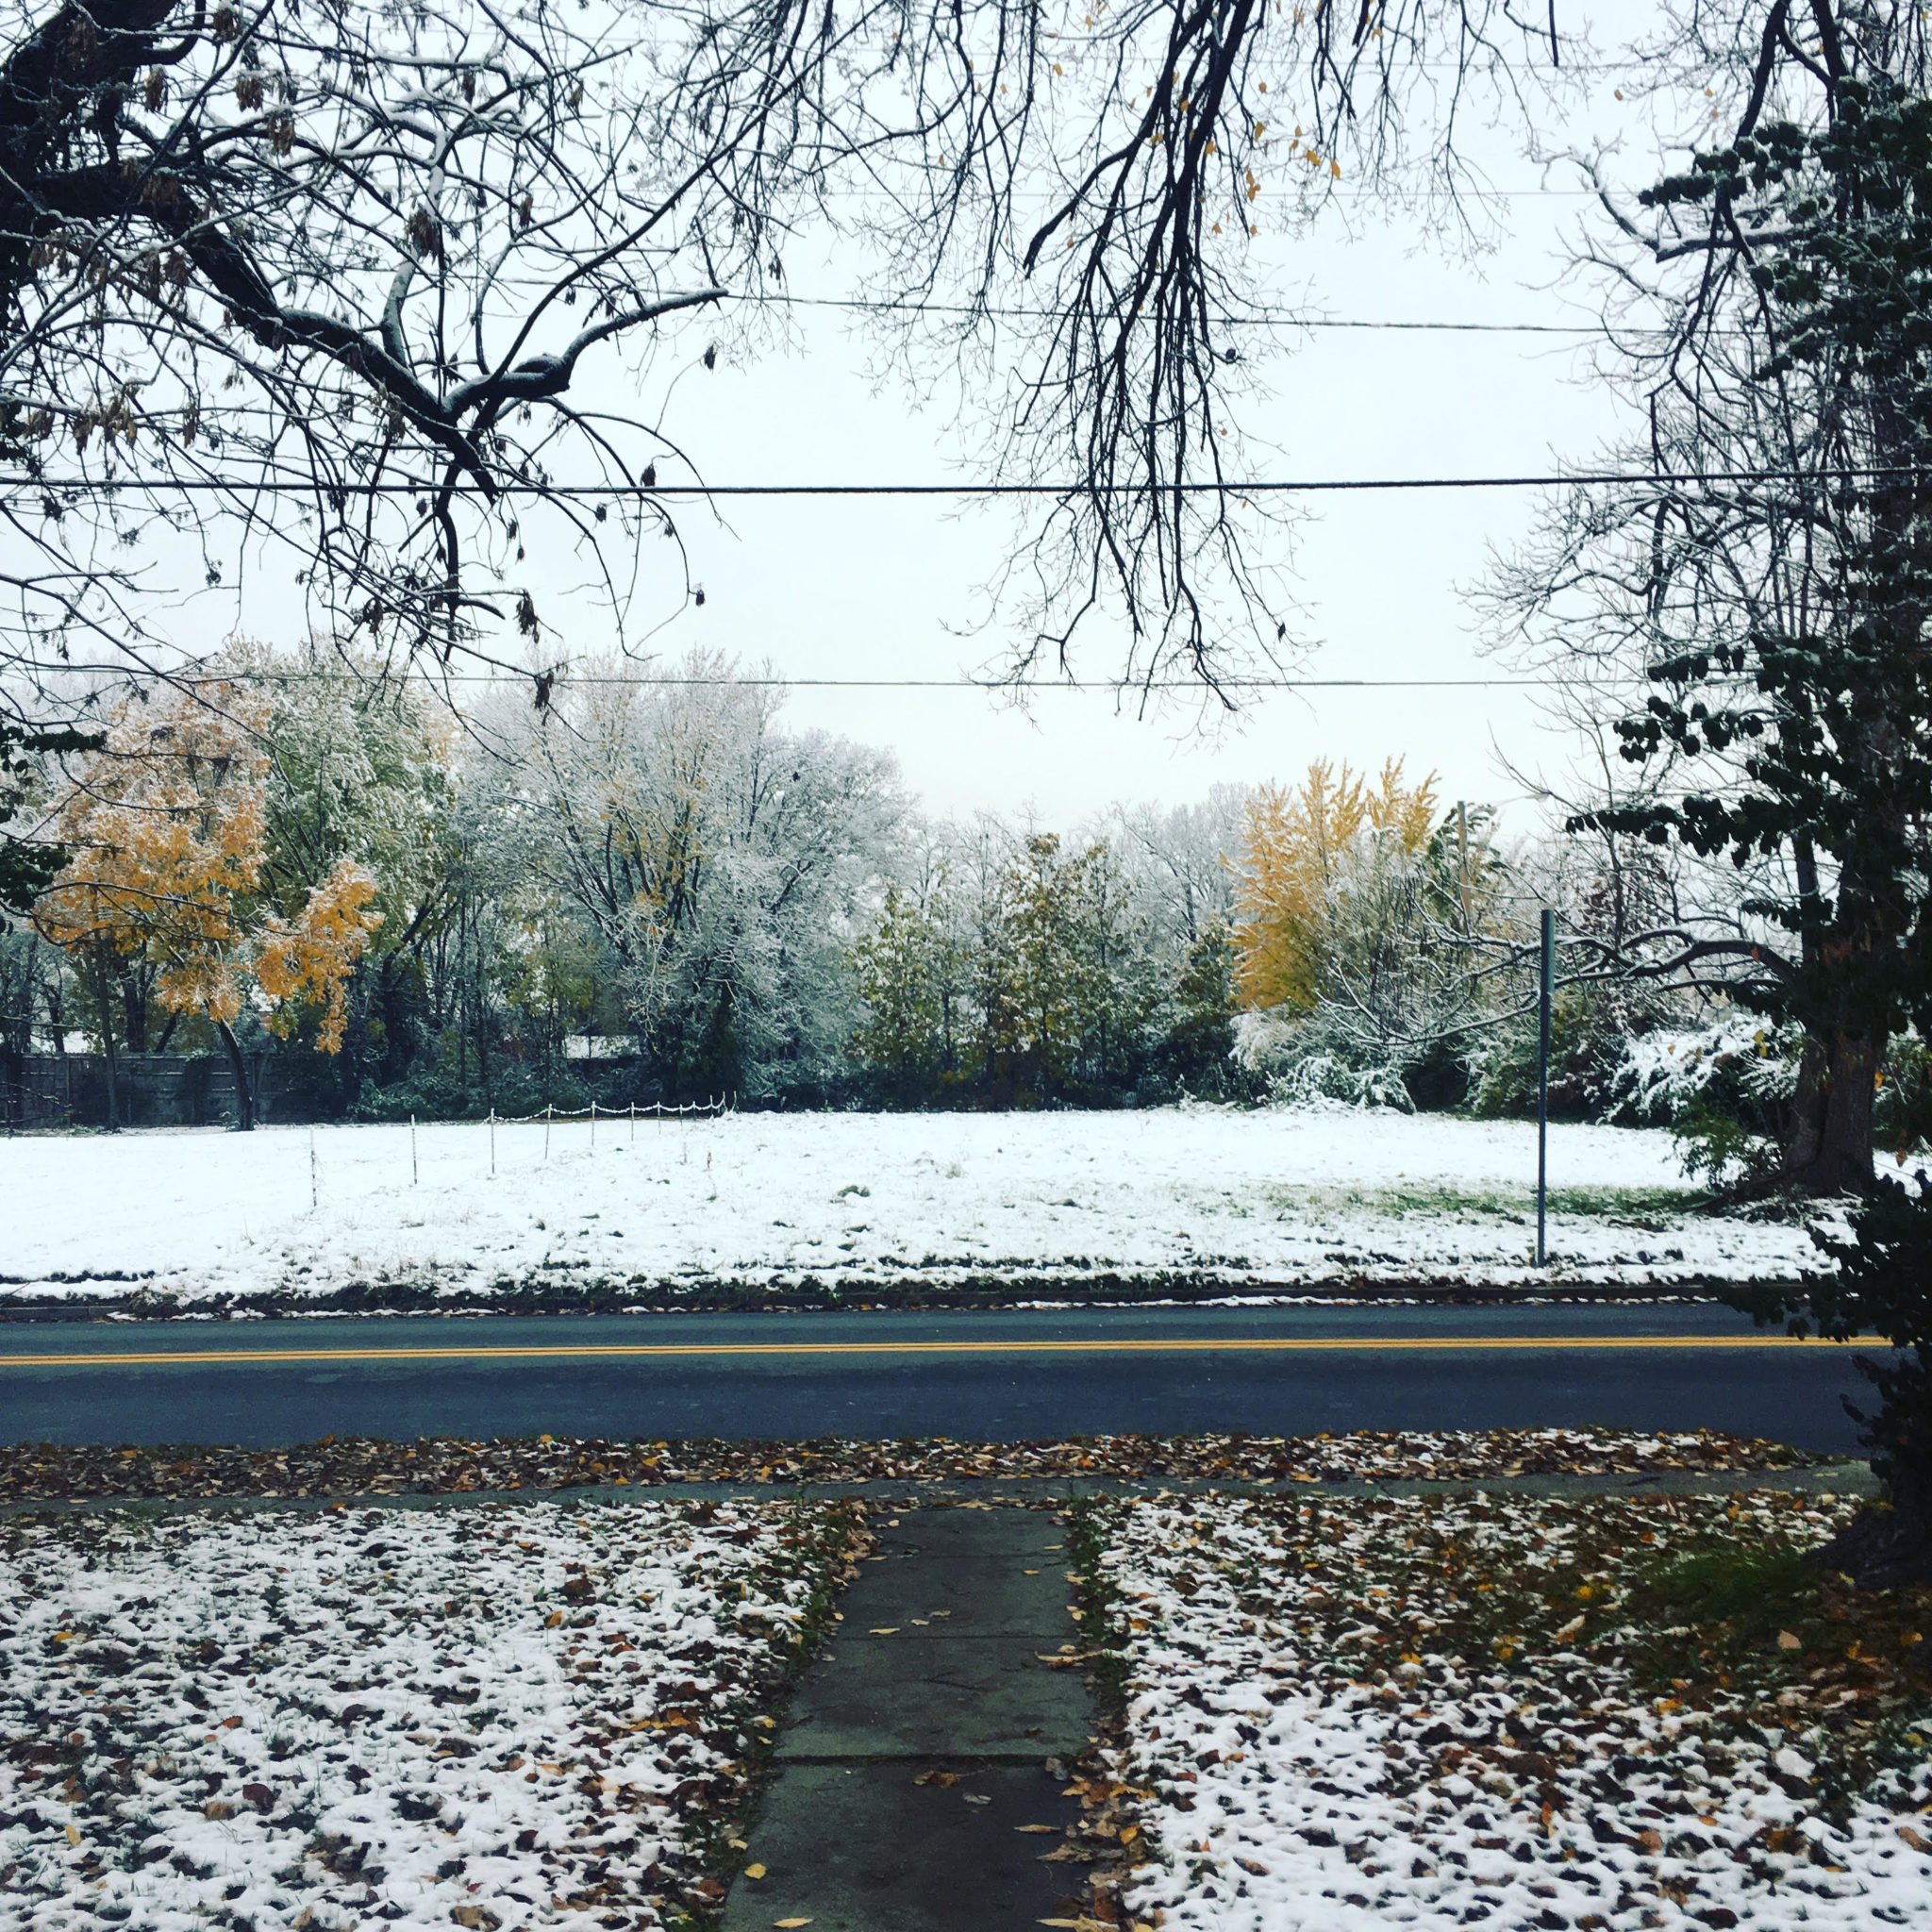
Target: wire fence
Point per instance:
(654, 1110)
(551, 1116)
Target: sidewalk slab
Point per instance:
(938, 1672)
(861, 1848)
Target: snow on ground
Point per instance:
(497, 1715)
(1282, 1197)
(1353, 1716)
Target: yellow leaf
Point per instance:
(790, 1924)
(885, 1630)
(753, 1870)
(1051, 1830)
(1789, 1640)
(72, 1836)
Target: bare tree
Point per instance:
(324, 281)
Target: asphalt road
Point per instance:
(976, 1376)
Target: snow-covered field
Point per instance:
(1387, 1714)
(1279, 1197)
(497, 1716)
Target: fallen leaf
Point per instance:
(885, 1630)
(478, 1918)
(937, 1777)
(1129, 1833)
(790, 1924)
(1253, 1866)
(74, 1836)
(753, 1870)
(1917, 1839)
(553, 1620)
(975, 1798)
(1790, 1639)
(1050, 1829)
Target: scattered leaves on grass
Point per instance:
(1388, 1706)
(410, 1731)
(446, 1465)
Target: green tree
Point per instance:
(28, 864)
(1196, 1050)
(909, 981)
(1062, 998)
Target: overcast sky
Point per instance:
(845, 588)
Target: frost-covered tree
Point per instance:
(164, 831)
(1363, 917)
(723, 863)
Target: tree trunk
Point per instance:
(1887, 1547)
(134, 1006)
(105, 1000)
(244, 1098)
(1830, 1146)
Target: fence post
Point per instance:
(549, 1107)
(593, 1126)
(314, 1194)
(493, 1142)
(412, 1150)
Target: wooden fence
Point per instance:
(154, 1089)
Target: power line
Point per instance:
(1258, 486)
(566, 679)
(865, 305)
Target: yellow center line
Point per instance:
(1295, 1344)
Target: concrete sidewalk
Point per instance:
(916, 1754)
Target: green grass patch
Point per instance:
(1652, 1211)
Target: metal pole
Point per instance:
(412, 1150)
(493, 1143)
(1462, 859)
(314, 1198)
(1545, 996)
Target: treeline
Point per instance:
(640, 891)
(655, 890)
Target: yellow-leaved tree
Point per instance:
(1301, 845)
(165, 829)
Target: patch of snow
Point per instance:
(497, 1715)
(1275, 1197)
(1310, 1759)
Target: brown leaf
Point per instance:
(937, 1777)
(478, 1918)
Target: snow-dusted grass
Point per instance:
(493, 1716)
(1350, 1716)
(1278, 1197)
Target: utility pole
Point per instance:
(1462, 859)
(1546, 995)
